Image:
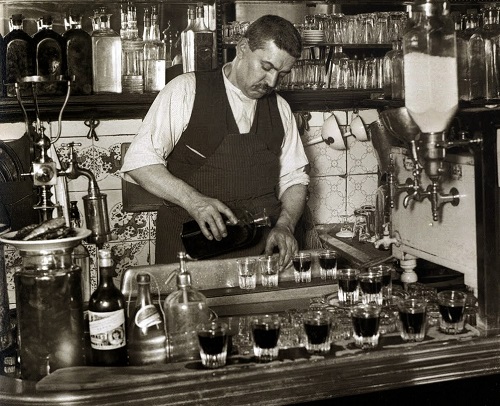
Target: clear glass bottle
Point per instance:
(50, 57)
(154, 57)
(19, 56)
(197, 42)
(490, 34)
(464, 55)
(146, 335)
(239, 235)
(430, 67)
(106, 54)
(78, 55)
(107, 317)
(333, 73)
(184, 310)
(477, 64)
(393, 67)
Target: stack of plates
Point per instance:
(313, 36)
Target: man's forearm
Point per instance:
(157, 180)
(293, 201)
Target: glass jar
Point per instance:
(49, 312)
(430, 66)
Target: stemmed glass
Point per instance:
(345, 228)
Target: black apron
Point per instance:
(241, 170)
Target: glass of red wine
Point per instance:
(266, 333)
(212, 337)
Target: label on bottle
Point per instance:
(147, 316)
(107, 330)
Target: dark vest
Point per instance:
(241, 170)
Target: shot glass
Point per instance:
(348, 286)
(266, 333)
(328, 264)
(370, 284)
(302, 265)
(412, 319)
(247, 271)
(269, 268)
(451, 311)
(386, 281)
(365, 323)
(212, 337)
(318, 326)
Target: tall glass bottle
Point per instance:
(19, 56)
(107, 317)
(197, 42)
(50, 57)
(154, 57)
(490, 34)
(393, 68)
(106, 54)
(430, 67)
(146, 335)
(78, 55)
(477, 63)
(184, 310)
(464, 56)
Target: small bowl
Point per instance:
(330, 131)
(358, 128)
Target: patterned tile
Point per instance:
(136, 227)
(328, 198)
(361, 189)
(13, 262)
(325, 160)
(361, 158)
(127, 254)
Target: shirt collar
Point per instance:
(233, 89)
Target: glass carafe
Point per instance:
(430, 67)
(239, 235)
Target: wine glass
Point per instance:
(345, 228)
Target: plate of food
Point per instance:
(50, 235)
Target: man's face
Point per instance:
(259, 71)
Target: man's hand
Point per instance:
(207, 213)
(282, 238)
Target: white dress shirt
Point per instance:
(169, 116)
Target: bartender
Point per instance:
(217, 141)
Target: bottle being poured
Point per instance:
(242, 234)
(184, 310)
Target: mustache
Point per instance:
(265, 88)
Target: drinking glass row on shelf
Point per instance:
(366, 28)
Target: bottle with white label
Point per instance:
(146, 335)
(107, 317)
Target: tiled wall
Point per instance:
(341, 180)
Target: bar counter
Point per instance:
(295, 378)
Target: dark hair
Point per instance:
(277, 29)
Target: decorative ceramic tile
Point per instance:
(361, 158)
(328, 198)
(361, 190)
(152, 225)
(127, 254)
(325, 160)
(94, 269)
(118, 127)
(13, 262)
(116, 214)
(135, 226)
(152, 252)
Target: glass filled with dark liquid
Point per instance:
(412, 319)
(328, 264)
(348, 292)
(365, 323)
(212, 337)
(451, 311)
(370, 284)
(302, 266)
(386, 271)
(317, 326)
(266, 333)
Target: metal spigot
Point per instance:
(438, 199)
(386, 241)
(95, 205)
(409, 186)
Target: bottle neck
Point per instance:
(106, 276)
(143, 295)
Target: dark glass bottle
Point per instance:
(146, 335)
(242, 234)
(107, 317)
(50, 57)
(19, 56)
(78, 55)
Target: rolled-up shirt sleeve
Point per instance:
(163, 125)
(294, 165)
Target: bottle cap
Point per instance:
(105, 258)
(143, 278)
